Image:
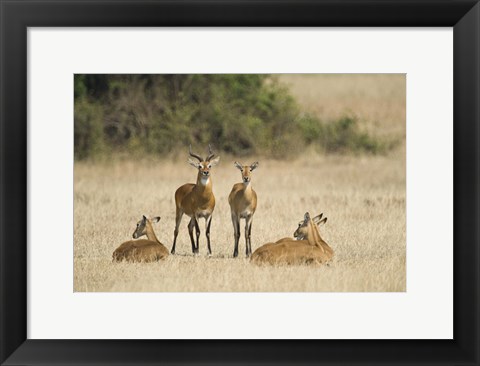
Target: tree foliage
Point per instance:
(157, 114)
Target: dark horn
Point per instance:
(194, 155)
(210, 153)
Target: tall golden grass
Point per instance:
(377, 99)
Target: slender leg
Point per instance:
(236, 233)
(197, 232)
(191, 224)
(248, 233)
(178, 220)
(208, 221)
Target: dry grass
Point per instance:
(363, 198)
(379, 100)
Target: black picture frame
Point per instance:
(17, 15)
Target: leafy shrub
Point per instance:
(239, 114)
(88, 131)
(342, 136)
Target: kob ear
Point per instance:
(193, 163)
(144, 218)
(155, 219)
(254, 166)
(215, 161)
(238, 165)
(317, 219)
(306, 217)
(321, 222)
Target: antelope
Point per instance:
(143, 250)
(312, 249)
(196, 200)
(243, 203)
(301, 232)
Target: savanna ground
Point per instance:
(363, 197)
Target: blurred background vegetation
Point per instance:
(239, 114)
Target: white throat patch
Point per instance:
(204, 180)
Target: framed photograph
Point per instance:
(268, 140)
(239, 182)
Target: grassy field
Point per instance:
(377, 99)
(362, 196)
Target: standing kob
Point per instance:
(243, 203)
(196, 200)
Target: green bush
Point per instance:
(88, 129)
(238, 114)
(342, 136)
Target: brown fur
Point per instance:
(243, 203)
(142, 250)
(302, 230)
(287, 251)
(191, 198)
(196, 200)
